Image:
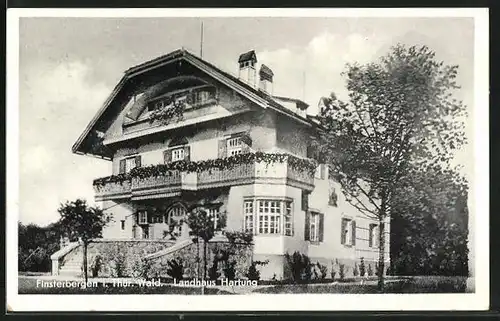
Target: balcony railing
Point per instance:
(174, 181)
(113, 190)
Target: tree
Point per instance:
(36, 244)
(79, 221)
(429, 225)
(399, 113)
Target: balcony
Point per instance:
(112, 190)
(172, 182)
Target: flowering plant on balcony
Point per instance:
(212, 164)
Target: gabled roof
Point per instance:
(260, 98)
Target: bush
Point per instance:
(119, 265)
(96, 266)
(362, 268)
(355, 271)
(254, 274)
(142, 268)
(370, 270)
(300, 266)
(213, 271)
(175, 269)
(230, 270)
(342, 271)
(323, 270)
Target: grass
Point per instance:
(420, 284)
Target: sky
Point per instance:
(69, 66)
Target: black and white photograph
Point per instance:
(247, 159)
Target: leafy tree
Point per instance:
(399, 116)
(79, 221)
(429, 225)
(202, 225)
(36, 244)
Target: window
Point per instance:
(157, 219)
(288, 219)
(127, 164)
(176, 216)
(348, 232)
(122, 225)
(214, 214)
(373, 237)
(143, 217)
(248, 211)
(314, 227)
(234, 146)
(269, 214)
(177, 154)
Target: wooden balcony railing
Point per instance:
(113, 190)
(239, 174)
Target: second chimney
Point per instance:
(266, 79)
(246, 63)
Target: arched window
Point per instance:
(176, 215)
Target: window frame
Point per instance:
(139, 220)
(127, 160)
(314, 218)
(249, 216)
(181, 154)
(237, 149)
(348, 241)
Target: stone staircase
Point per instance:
(72, 267)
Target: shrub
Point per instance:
(300, 266)
(355, 271)
(96, 266)
(230, 270)
(175, 269)
(142, 268)
(342, 271)
(254, 274)
(323, 270)
(362, 268)
(370, 270)
(119, 264)
(213, 271)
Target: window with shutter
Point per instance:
(177, 154)
(348, 230)
(234, 146)
(127, 164)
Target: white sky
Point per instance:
(68, 66)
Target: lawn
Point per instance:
(419, 284)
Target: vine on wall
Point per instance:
(211, 164)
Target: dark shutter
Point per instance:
(122, 166)
(187, 153)
(222, 148)
(353, 232)
(305, 200)
(167, 156)
(138, 161)
(342, 229)
(307, 227)
(370, 237)
(321, 226)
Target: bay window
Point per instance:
(272, 217)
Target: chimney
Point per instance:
(266, 79)
(246, 63)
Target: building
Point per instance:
(241, 151)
